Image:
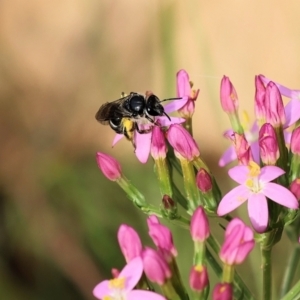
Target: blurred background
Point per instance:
(59, 62)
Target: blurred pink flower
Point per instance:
(223, 291)
(123, 286)
(109, 166)
(129, 241)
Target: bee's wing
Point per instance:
(112, 110)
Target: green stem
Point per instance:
(190, 187)
(294, 293)
(163, 176)
(267, 272)
(290, 270)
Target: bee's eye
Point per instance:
(137, 104)
(154, 108)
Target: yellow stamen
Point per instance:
(254, 169)
(117, 283)
(107, 298)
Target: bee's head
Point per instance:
(154, 108)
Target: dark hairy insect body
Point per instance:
(126, 114)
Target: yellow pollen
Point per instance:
(254, 169)
(199, 268)
(117, 283)
(249, 183)
(298, 180)
(107, 298)
(222, 289)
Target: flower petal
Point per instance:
(228, 156)
(255, 151)
(117, 138)
(176, 104)
(239, 174)
(292, 112)
(232, 200)
(164, 121)
(143, 145)
(280, 195)
(102, 289)
(258, 212)
(269, 173)
(132, 272)
(145, 295)
(287, 136)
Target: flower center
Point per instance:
(252, 181)
(116, 287)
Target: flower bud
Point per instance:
(239, 242)
(158, 143)
(223, 291)
(198, 278)
(129, 242)
(229, 98)
(203, 180)
(269, 150)
(295, 188)
(162, 237)
(184, 88)
(155, 266)
(242, 149)
(109, 166)
(259, 104)
(199, 227)
(275, 114)
(183, 143)
(170, 206)
(295, 141)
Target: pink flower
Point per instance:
(199, 227)
(251, 136)
(184, 89)
(155, 266)
(183, 143)
(122, 287)
(269, 150)
(223, 291)
(198, 278)
(109, 166)
(129, 242)
(203, 181)
(158, 144)
(228, 95)
(295, 188)
(255, 186)
(162, 237)
(295, 141)
(259, 103)
(275, 114)
(239, 242)
(292, 109)
(143, 141)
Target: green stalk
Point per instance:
(267, 272)
(162, 173)
(189, 181)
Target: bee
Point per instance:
(126, 114)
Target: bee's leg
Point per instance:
(150, 119)
(142, 131)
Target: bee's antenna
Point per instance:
(169, 99)
(167, 115)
